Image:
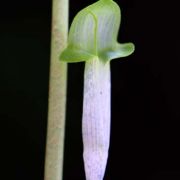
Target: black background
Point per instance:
(145, 93)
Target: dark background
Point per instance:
(145, 93)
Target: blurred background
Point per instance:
(145, 128)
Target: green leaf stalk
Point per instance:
(57, 93)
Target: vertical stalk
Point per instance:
(57, 93)
(96, 118)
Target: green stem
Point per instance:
(57, 93)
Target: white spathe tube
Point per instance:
(96, 118)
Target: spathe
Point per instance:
(94, 32)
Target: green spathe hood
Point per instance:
(94, 32)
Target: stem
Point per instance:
(96, 118)
(57, 93)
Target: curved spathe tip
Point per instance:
(94, 32)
